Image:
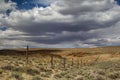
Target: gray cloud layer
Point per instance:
(85, 23)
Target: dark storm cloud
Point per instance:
(60, 38)
(58, 27)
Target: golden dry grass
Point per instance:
(85, 60)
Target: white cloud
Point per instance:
(5, 6)
(10, 33)
(65, 22)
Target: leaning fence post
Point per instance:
(52, 64)
(95, 61)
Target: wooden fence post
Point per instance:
(52, 64)
(72, 62)
(96, 60)
(26, 65)
(64, 62)
(81, 62)
(106, 78)
(78, 63)
(27, 49)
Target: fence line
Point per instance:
(79, 63)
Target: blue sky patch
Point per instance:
(3, 28)
(28, 4)
(118, 1)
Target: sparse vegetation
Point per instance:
(37, 78)
(17, 76)
(65, 64)
(32, 72)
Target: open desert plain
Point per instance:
(102, 63)
(59, 39)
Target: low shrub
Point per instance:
(114, 75)
(37, 78)
(17, 76)
(32, 72)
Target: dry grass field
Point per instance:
(101, 63)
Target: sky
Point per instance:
(59, 23)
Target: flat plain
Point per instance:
(102, 63)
